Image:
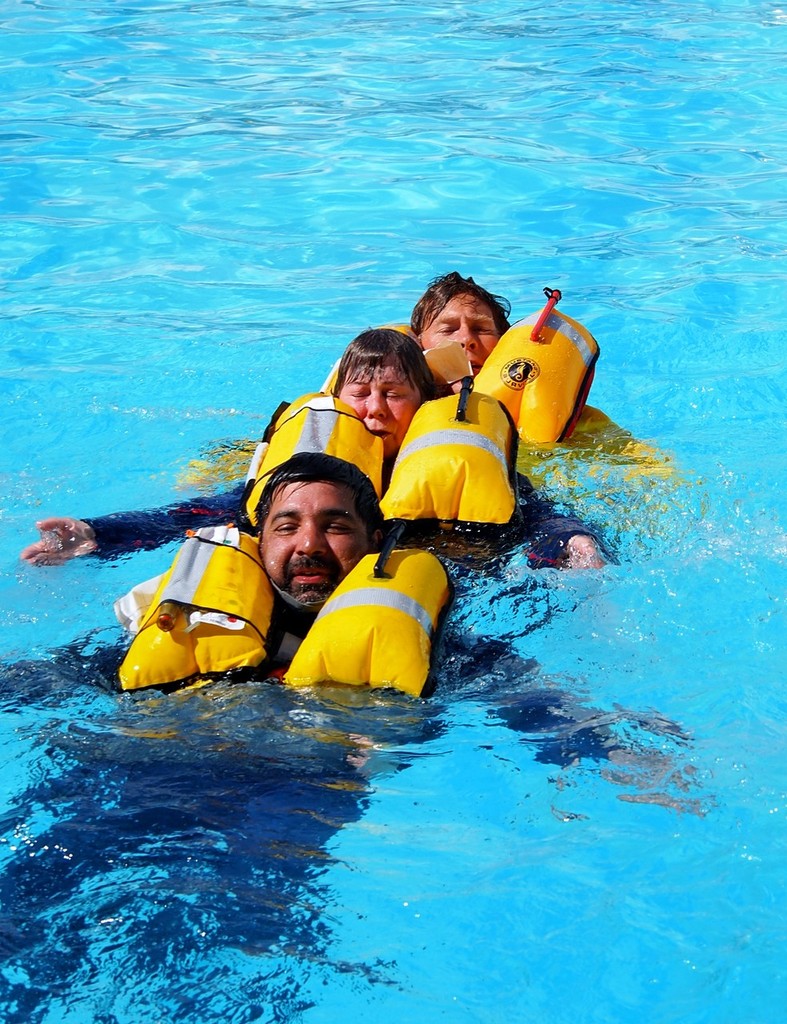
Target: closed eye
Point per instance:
(283, 529)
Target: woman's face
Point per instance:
(386, 404)
(469, 321)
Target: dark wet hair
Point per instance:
(367, 354)
(449, 286)
(316, 467)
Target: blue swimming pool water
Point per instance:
(201, 204)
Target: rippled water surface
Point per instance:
(200, 205)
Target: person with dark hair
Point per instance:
(242, 603)
(379, 349)
(318, 516)
(455, 308)
(384, 377)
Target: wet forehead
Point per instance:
(312, 499)
(467, 306)
(386, 375)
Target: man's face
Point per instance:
(312, 537)
(470, 322)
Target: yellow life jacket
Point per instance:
(455, 470)
(544, 384)
(315, 423)
(378, 628)
(209, 613)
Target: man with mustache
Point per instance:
(318, 516)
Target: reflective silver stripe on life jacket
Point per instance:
(195, 555)
(457, 436)
(557, 323)
(318, 423)
(365, 596)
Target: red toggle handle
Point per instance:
(553, 297)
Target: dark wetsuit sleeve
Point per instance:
(547, 531)
(123, 532)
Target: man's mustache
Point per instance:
(302, 565)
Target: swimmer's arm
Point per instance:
(556, 540)
(61, 539)
(64, 538)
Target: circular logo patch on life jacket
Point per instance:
(518, 373)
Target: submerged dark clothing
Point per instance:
(543, 530)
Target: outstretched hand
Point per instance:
(61, 539)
